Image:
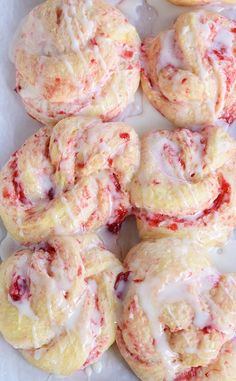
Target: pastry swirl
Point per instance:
(76, 57)
(190, 70)
(72, 178)
(178, 316)
(185, 185)
(57, 303)
(199, 2)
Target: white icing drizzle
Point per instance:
(69, 211)
(167, 52)
(224, 259)
(24, 308)
(35, 337)
(161, 294)
(23, 305)
(159, 159)
(70, 30)
(168, 356)
(96, 315)
(224, 39)
(196, 146)
(72, 323)
(99, 57)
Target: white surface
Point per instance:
(16, 126)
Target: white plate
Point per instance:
(16, 126)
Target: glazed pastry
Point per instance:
(178, 314)
(69, 179)
(76, 57)
(190, 70)
(57, 304)
(186, 185)
(199, 2)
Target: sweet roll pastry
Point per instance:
(178, 314)
(189, 72)
(57, 304)
(186, 185)
(73, 178)
(199, 2)
(76, 57)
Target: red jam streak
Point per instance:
(220, 53)
(58, 16)
(207, 329)
(127, 54)
(116, 182)
(19, 289)
(188, 375)
(125, 135)
(17, 89)
(51, 194)
(93, 41)
(93, 356)
(223, 197)
(16, 184)
(124, 278)
(50, 251)
(115, 226)
(6, 193)
(129, 353)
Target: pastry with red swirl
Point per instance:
(186, 185)
(178, 314)
(76, 57)
(189, 70)
(57, 304)
(73, 178)
(189, 3)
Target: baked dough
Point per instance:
(57, 304)
(199, 2)
(73, 178)
(178, 317)
(76, 57)
(190, 70)
(186, 185)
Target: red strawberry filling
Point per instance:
(155, 220)
(120, 284)
(19, 288)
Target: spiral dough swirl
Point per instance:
(186, 185)
(57, 302)
(71, 179)
(189, 70)
(76, 57)
(178, 314)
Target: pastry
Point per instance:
(199, 2)
(56, 302)
(186, 185)
(190, 70)
(76, 57)
(72, 178)
(178, 314)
